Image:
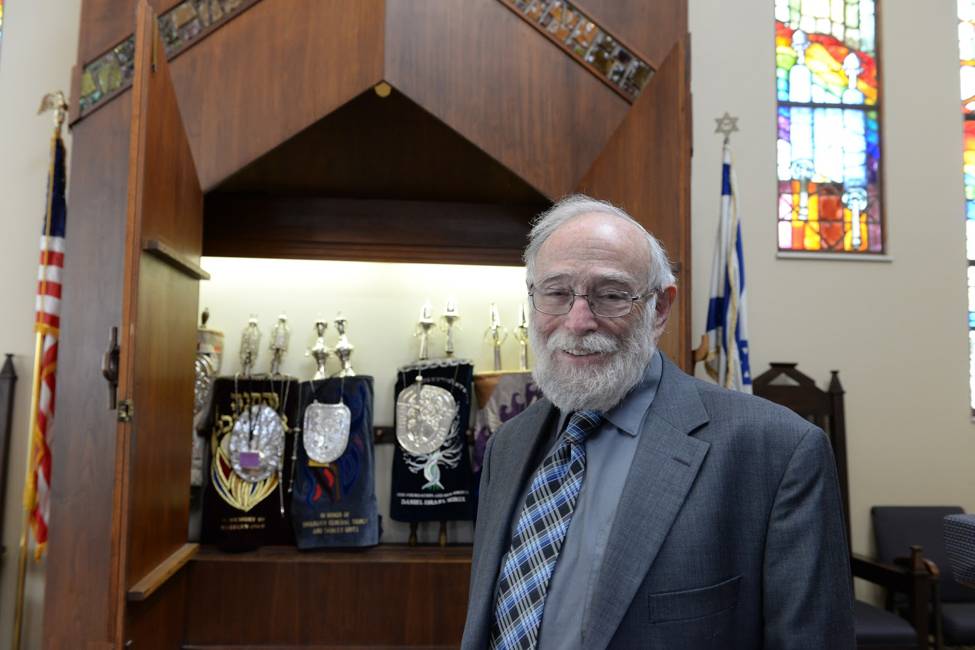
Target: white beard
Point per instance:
(600, 388)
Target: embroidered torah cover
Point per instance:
(237, 514)
(436, 486)
(334, 504)
(500, 397)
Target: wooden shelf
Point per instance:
(163, 572)
(169, 255)
(317, 647)
(382, 554)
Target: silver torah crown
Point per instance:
(497, 333)
(343, 349)
(423, 327)
(449, 321)
(250, 341)
(280, 337)
(320, 351)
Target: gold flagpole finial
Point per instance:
(54, 102)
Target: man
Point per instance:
(636, 506)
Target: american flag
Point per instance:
(47, 324)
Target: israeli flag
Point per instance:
(727, 330)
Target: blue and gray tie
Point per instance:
(537, 540)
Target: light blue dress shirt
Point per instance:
(609, 453)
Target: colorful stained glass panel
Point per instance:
(828, 169)
(966, 50)
(823, 69)
(968, 166)
(828, 137)
(966, 53)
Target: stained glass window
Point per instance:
(1, 22)
(828, 133)
(966, 51)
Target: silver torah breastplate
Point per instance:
(326, 431)
(203, 373)
(424, 415)
(257, 444)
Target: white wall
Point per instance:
(897, 330)
(40, 42)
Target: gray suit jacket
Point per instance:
(728, 534)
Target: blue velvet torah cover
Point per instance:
(334, 505)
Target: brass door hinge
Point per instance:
(125, 410)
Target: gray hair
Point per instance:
(660, 274)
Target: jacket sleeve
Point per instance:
(808, 598)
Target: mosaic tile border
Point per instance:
(561, 21)
(180, 26)
(578, 34)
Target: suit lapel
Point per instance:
(664, 467)
(510, 466)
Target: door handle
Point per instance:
(110, 368)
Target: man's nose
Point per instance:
(580, 319)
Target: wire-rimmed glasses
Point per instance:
(605, 302)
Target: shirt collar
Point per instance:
(627, 416)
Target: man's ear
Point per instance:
(665, 300)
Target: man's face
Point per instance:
(584, 360)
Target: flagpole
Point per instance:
(28, 476)
(726, 354)
(56, 102)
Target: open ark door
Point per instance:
(121, 455)
(645, 168)
(157, 340)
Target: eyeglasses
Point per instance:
(605, 302)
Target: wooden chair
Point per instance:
(913, 576)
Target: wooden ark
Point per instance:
(264, 137)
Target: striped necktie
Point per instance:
(527, 567)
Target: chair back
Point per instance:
(896, 528)
(960, 543)
(785, 385)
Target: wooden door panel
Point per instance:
(490, 76)
(159, 457)
(163, 240)
(157, 623)
(645, 169)
(79, 605)
(276, 69)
